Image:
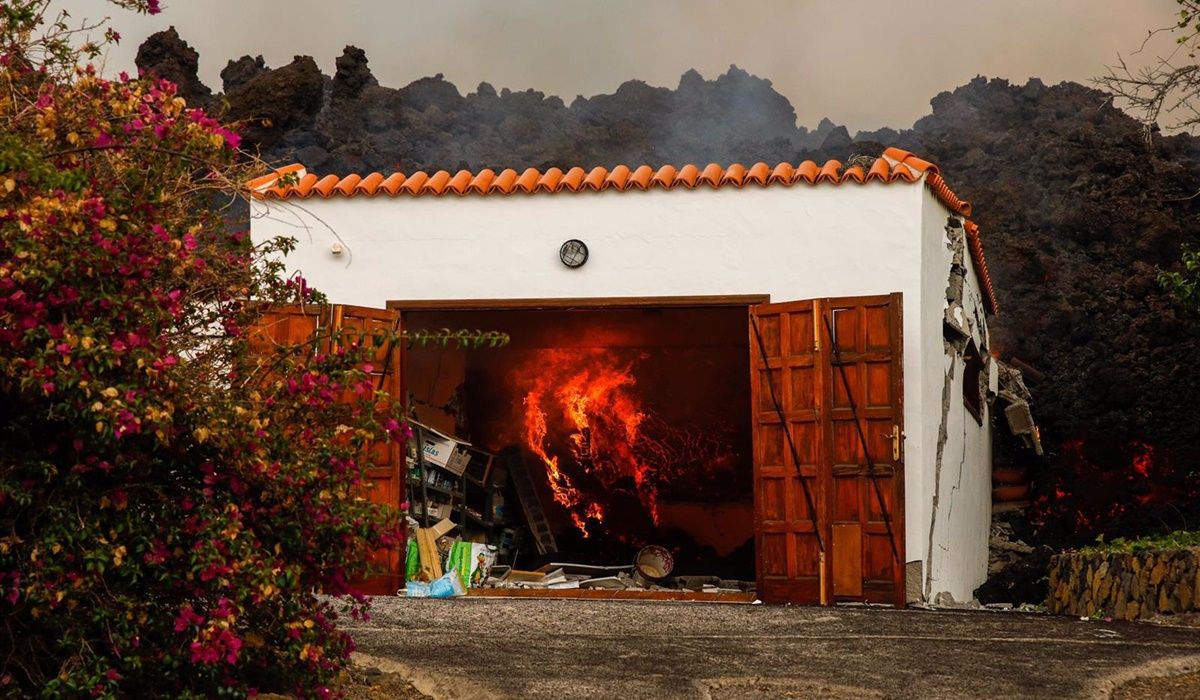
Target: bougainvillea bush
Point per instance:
(171, 499)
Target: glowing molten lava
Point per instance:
(589, 396)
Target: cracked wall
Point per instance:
(956, 479)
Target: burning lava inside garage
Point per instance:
(633, 422)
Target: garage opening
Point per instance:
(755, 448)
(632, 422)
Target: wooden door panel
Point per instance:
(863, 371)
(785, 393)
(774, 378)
(295, 325)
(803, 387)
(285, 327)
(878, 387)
(832, 368)
(847, 559)
(385, 472)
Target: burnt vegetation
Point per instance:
(1078, 211)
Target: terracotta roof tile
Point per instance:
(642, 176)
(879, 170)
(664, 177)
(305, 184)
(573, 178)
(688, 175)
(807, 171)
(735, 174)
(830, 172)
(975, 243)
(391, 184)
(895, 165)
(619, 177)
(758, 173)
(504, 182)
(712, 174)
(594, 180)
(460, 182)
(854, 172)
(482, 181)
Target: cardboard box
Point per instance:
(443, 527)
(444, 451)
(457, 464)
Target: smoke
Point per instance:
(865, 63)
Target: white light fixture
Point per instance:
(573, 253)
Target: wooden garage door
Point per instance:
(293, 325)
(828, 521)
(385, 468)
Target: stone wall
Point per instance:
(1124, 585)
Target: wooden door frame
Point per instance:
(743, 301)
(746, 301)
(567, 303)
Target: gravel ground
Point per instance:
(481, 648)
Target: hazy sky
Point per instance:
(865, 64)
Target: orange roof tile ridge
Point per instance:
(894, 165)
(975, 244)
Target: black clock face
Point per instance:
(573, 253)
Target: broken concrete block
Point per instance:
(613, 583)
(695, 583)
(1020, 419)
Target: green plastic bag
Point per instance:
(457, 554)
(412, 560)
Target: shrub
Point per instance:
(169, 499)
(1180, 539)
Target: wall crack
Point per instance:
(947, 387)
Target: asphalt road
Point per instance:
(558, 649)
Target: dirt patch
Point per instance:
(364, 681)
(1184, 687)
(371, 683)
(1181, 620)
(781, 689)
(427, 683)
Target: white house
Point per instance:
(861, 290)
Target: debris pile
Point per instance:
(463, 541)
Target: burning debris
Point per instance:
(589, 445)
(586, 421)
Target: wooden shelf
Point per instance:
(417, 483)
(482, 521)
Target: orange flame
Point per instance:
(591, 396)
(535, 438)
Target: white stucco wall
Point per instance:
(953, 537)
(789, 242)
